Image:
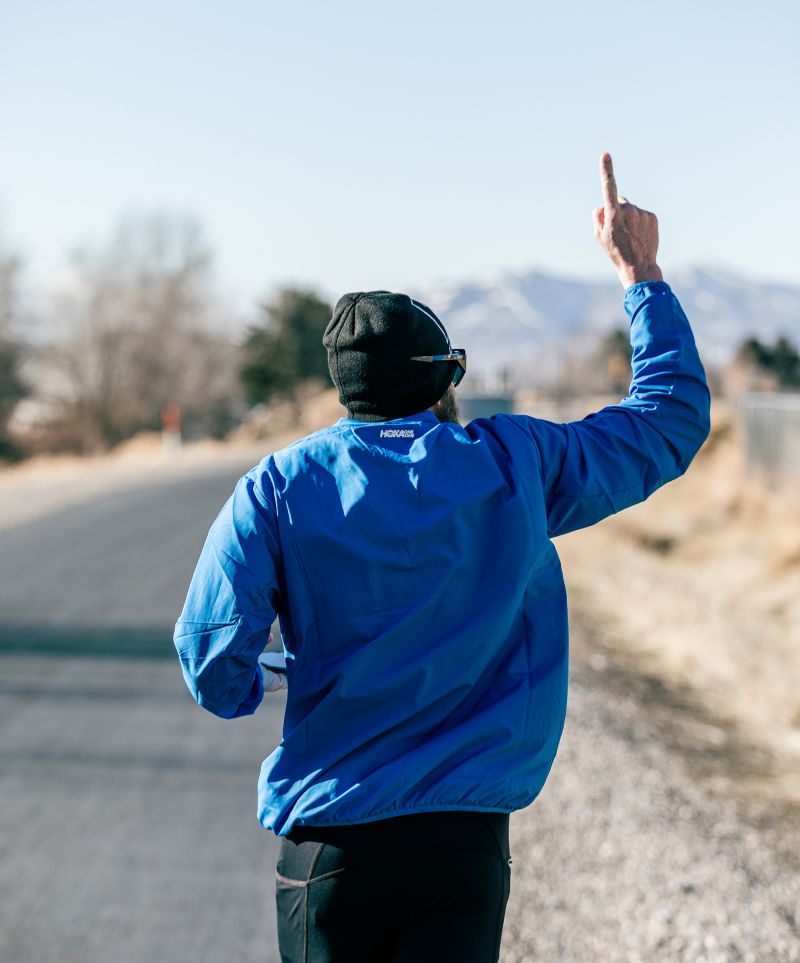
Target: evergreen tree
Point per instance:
(12, 390)
(781, 359)
(13, 386)
(287, 349)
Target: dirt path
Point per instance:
(641, 847)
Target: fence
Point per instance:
(771, 424)
(483, 405)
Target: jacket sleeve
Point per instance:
(232, 601)
(620, 455)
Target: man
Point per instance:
(423, 612)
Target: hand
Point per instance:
(273, 681)
(628, 234)
(273, 670)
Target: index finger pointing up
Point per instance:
(608, 183)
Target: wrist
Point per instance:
(630, 274)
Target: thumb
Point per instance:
(273, 681)
(598, 220)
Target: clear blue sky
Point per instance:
(360, 144)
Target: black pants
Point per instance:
(418, 888)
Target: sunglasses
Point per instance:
(459, 355)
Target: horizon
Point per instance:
(39, 292)
(234, 318)
(315, 151)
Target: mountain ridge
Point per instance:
(531, 322)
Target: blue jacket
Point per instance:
(420, 597)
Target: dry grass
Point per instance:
(702, 583)
(50, 483)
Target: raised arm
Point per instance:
(621, 454)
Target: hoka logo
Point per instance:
(397, 432)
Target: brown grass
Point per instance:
(702, 583)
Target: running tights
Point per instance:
(422, 888)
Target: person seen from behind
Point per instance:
(423, 612)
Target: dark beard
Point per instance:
(446, 408)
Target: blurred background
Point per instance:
(185, 190)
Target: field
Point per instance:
(700, 585)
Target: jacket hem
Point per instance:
(390, 813)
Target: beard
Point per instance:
(446, 408)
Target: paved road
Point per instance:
(127, 826)
(109, 570)
(128, 821)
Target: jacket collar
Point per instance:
(424, 417)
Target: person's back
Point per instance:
(426, 631)
(423, 615)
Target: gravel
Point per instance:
(626, 857)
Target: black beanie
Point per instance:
(371, 339)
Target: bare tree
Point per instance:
(133, 335)
(13, 387)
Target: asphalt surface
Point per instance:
(127, 824)
(128, 820)
(108, 569)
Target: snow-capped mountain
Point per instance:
(531, 322)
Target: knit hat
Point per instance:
(371, 340)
